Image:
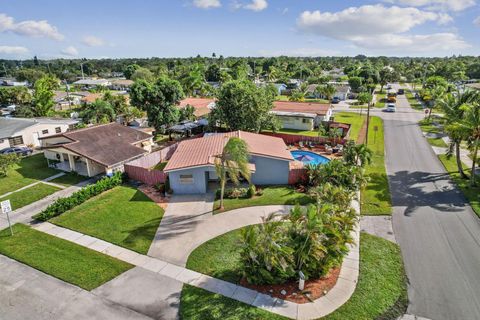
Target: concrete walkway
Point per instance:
(24, 214)
(380, 226)
(28, 294)
(218, 225)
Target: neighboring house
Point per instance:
(301, 115)
(281, 87)
(65, 101)
(342, 90)
(92, 83)
(192, 166)
(473, 86)
(121, 84)
(27, 132)
(92, 97)
(202, 106)
(10, 82)
(96, 150)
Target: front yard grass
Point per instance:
(30, 195)
(381, 291)
(471, 193)
(272, 195)
(69, 179)
(124, 216)
(29, 170)
(59, 258)
(375, 197)
(437, 142)
(354, 119)
(414, 103)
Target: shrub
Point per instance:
(252, 191)
(62, 205)
(160, 187)
(233, 193)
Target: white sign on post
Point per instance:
(7, 208)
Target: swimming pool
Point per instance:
(308, 157)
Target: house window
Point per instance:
(58, 130)
(305, 121)
(186, 178)
(15, 141)
(45, 131)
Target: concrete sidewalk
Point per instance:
(28, 294)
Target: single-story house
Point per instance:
(192, 165)
(281, 87)
(342, 91)
(96, 150)
(121, 84)
(27, 132)
(92, 83)
(301, 115)
(202, 106)
(65, 101)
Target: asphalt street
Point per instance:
(438, 232)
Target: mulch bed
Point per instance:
(314, 289)
(155, 195)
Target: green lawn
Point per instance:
(381, 291)
(285, 98)
(381, 99)
(414, 103)
(437, 142)
(354, 119)
(375, 197)
(218, 257)
(472, 194)
(32, 194)
(123, 216)
(160, 166)
(271, 195)
(59, 258)
(29, 170)
(69, 179)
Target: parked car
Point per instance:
(391, 108)
(21, 151)
(335, 100)
(389, 86)
(401, 91)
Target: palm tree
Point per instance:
(357, 154)
(335, 133)
(471, 124)
(233, 161)
(452, 107)
(327, 91)
(297, 95)
(437, 93)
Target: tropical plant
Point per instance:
(471, 125)
(97, 112)
(232, 163)
(336, 172)
(43, 95)
(334, 134)
(357, 154)
(327, 91)
(297, 96)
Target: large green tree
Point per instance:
(159, 99)
(241, 105)
(43, 95)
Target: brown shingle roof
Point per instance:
(107, 144)
(202, 151)
(302, 107)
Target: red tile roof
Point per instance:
(201, 105)
(202, 151)
(107, 144)
(302, 107)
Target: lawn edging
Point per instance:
(62, 205)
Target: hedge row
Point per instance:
(62, 205)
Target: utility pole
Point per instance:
(81, 67)
(368, 117)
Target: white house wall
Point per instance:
(296, 123)
(28, 133)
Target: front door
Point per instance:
(36, 141)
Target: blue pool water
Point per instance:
(308, 157)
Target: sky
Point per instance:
(185, 28)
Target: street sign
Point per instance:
(7, 208)
(375, 128)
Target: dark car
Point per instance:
(336, 100)
(21, 151)
(401, 91)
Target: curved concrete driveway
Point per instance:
(438, 232)
(187, 224)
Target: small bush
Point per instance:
(252, 191)
(160, 187)
(233, 193)
(62, 205)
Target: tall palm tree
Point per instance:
(437, 93)
(327, 91)
(232, 162)
(471, 124)
(453, 110)
(357, 154)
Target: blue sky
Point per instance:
(182, 28)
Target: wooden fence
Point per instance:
(295, 138)
(297, 175)
(142, 169)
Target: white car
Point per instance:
(391, 108)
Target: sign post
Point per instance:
(7, 208)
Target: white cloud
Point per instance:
(93, 41)
(366, 20)
(13, 50)
(447, 5)
(30, 28)
(477, 21)
(256, 5)
(299, 52)
(70, 51)
(207, 4)
(378, 27)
